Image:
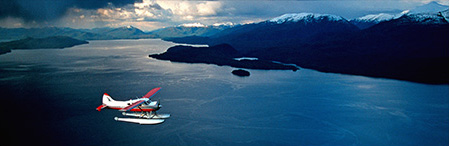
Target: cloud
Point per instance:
(146, 16)
(48, 10)
(11, 22)
(188, 10)
(154, 14)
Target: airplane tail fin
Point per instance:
(106, 99)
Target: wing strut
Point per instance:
(132, 106)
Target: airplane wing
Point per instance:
(135, 104)
(152, 92)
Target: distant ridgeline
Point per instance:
(54, 37)
(105, 33)
(54, 42)
(411, 47)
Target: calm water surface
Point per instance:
(49, 97)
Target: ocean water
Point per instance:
(49, 96)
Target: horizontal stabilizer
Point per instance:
(99, 108)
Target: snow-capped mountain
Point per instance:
(306, 17)
(376, 17)
(130, 27)
(215, 25)
(193, 25)
(285, 29)
(190, 29)
(430, 13)
(410, 47)
(429, 8)
(373, 19)
(121, 32)
(422, 18)
(224, 24)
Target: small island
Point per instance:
(241, 73)
(55, 42)
(223, 54)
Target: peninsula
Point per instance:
(222, 54)
(54, 42)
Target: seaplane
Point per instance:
(142, 109)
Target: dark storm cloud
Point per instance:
(46, 10)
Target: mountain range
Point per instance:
(372, 19)
(408, 46)
(186, 30)
(288, 29)
(412, 47)
(127, 32)
(107, 33)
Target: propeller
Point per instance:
(159, 104)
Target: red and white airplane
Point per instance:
(142, 108)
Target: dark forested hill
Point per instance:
(55, 42)
(412, 47)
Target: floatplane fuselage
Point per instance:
(144, 105)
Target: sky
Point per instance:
(154, 14)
